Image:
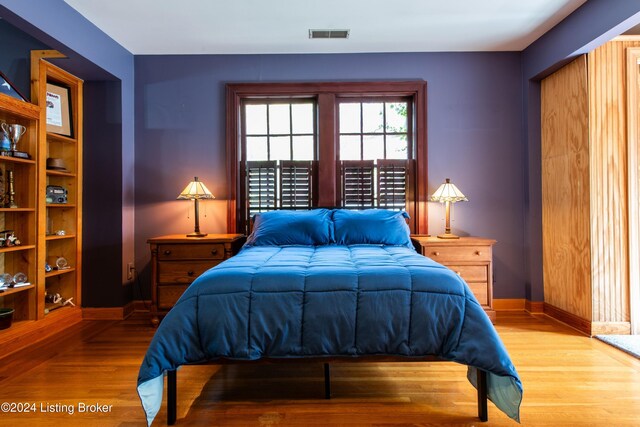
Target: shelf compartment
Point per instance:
(24, 184)
(60, 248)
(68, 181)
(22, 300)
(60, 219)
(62, 282)
(67, 153)
(17, 259)
(23, 224)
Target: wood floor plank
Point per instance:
(569, 379)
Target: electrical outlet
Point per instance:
(130, 270)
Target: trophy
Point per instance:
(14, 132)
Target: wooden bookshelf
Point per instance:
(22, 217)
(34, 221)
(56, 217)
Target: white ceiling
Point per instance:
(281, 26)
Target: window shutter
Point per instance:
(357, 183)
(392, 184)
(261, 186)
(296, 183)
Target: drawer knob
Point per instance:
(214, 251)
(167, 252)
(459, 273)
(478, 253)
(435, 253)
(190, 273)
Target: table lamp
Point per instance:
(195, 191)
(448, 193)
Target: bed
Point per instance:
(327, 285)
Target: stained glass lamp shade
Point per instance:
(448, 193)
(196, 190)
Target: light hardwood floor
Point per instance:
(569, 380)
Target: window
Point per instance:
(279, 153)
(372, 130)
(303, 145)
(277, 130)
(375, 152)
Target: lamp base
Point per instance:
(198, 234)
(448, 236)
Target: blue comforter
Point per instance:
(291, 302)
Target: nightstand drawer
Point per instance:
(182, 271)
(471, 273)
(479, 289)
(169, 294)
(194, 251)
(448, 254)
(178, 260)
(470, 257)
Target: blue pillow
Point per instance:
(371, 226)
(308, 228)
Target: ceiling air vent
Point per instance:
(328, 34)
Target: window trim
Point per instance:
(327, 94)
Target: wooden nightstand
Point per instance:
(177, 260)
(470, 257)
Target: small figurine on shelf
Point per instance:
(6, 280)
(57, 299)
(11, 202)
(12, 240)
(62, 264)
(8, 238)
(53, 298)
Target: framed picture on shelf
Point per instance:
(8, 88)
(59, 110)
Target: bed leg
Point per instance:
(482, 395)
(171, 397)
(327, 381)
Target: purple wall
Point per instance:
(594, 23)
(15, 60)
(474, 135)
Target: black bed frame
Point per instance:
(172, 389)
